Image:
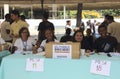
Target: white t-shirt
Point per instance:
(68, 26)
(21, 45)
(42, 45)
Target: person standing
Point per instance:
(114, 30)
(5, 29)
(105, 22)
(17, 24)
(45, 24)
(68, 25)
(82, 27)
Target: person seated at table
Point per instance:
(79, 37)
(90, 38)
(105, 43)
(67, 36)
(50, 37)
(24, 42)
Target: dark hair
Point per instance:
(68, 21)
(76, 33)
(22, 16)
(107, 15)
(7, 17)
(54, 37)
(68, 31)
(110, 18)
(88, 30)
(15, 12)
(22, 29)
(45, 15)
(102, 26)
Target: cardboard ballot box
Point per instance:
(62, 50)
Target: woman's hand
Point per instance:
(87, 53)
(34, 49)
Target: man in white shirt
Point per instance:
(68, 25)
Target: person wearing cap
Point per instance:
(105, 22)
(114, 30)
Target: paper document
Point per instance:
(100, 67)
(35, 64)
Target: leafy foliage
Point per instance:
(113, 12)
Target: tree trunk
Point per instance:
(79, 14)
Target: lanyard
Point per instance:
(25, 45)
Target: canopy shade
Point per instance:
(87, 4)
(57, 1)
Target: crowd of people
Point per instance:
(14, 29)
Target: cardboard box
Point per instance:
(63, 48)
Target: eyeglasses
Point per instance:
(24, 32)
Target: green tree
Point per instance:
(113, 12)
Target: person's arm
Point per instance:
(109, 30)
(39, 34)
(115, 44)
(43, 43)
(39, 31)
(53, 28)
(42, 46)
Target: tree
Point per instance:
(113, 12)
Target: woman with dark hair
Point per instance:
(24, 43)
(79, 37)
(45, 24)
(49, 37)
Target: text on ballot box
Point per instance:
(101, 67)
(62, 51)
(35, 64)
